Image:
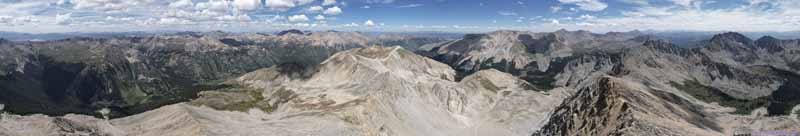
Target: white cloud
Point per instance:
(319, 17)
(637, 2)
(283, 5)
(15, 21)
(586, 17)
(182, 4)
(111, 5)
(351, 25)
(333, 11)
(588, 5)
(507, 13)
(410, 6)
(555, 8)
(298, 18)
(649, 11)
(314, 9)
(366, 7)
(64, 19)
(328, 2)
(555, 22)
(173, 21)
(247, 4)
(685, 3)
(369, 23)
(671, 17)
(213, 6)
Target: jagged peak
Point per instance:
(619, 106)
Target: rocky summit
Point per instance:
(295, 82)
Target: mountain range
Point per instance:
(351, 83)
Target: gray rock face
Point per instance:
(618, 106)
(614, 106)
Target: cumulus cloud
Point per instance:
(21, 8)
(586, 17)
(298, 18)
(182, 4)
(283, 5)
(213, 6)
(63, 19)
(749, 17)
(369, 23)
(13, 21)
(588, 5)
(333, 11)
(649, 11)
(555, 8)
(686, 3)
(111, 5)
(319, 17)
(328, 2)
(351, 25)
(247, 4)
(555, 22)
(314, 9)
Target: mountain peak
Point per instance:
(290, 31)
(732, 36)
(767, 38)
(770, 43)
(366, 63)
(731, 41)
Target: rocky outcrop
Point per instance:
(614, 106)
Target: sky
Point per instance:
(53, 16)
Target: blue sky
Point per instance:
(44, 16)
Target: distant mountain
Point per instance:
(532, 56)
